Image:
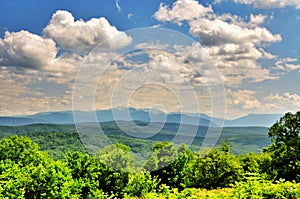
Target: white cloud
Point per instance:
(130, 15)
(118, 6)
(30, 51)
(270, 3)
(182, 10)
(266, 55)
(26, 50)
(286, 64)
(166, 67)
(235, 45)
(291, 67)
(215, 29)
(257, 19)
(18, 97)
(234, 62)
(80, 36)
(245, 100)
(31, 105)
(282, 103)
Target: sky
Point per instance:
(226, 58)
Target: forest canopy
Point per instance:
(170, 171)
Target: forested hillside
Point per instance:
(58, 139)
(169, 172)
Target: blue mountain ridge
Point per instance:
(143, 115)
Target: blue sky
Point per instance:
(254, 45)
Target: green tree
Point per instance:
(12, 180)
(52, 180)
(85, 171)
(213, 169)
(180, 167)
(92, 176)
(285, 147)
(225, 147)
(169, 163)
(163, 154)
(118, 156)
(151, 164)
(140, 184)
(21, 150)
(27, 173)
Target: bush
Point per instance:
(140, 184)
(256, 188)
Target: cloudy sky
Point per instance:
(250, 48)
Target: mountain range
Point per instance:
(143, 115)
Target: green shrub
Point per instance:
(140, 184)
(256, 188)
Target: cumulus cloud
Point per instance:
(272, 103)
(26, 50)
(257, 19)
(235, 62)
(215, 29)
(30, 51)
(245, 99)
(269, 3)
(182, 10)
(235, 44)
(80, 36)
(170, 65)
(164, 66)
(218, 32)
(287, 101)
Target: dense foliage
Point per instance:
(285, 148)
(58, 139)
(169, 172)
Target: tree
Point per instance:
(163, 155)
(21, 150)
(213, 169)
(25, 172)
(118, 156)
(180, 167)
(85, 171)
(92, 176)
(285, 147)
(169, 163)
(139, 184)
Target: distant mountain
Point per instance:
(120, 114)
(54, 117)
(265, 120)
(143, 115)
(186, 119)
(18, 121)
